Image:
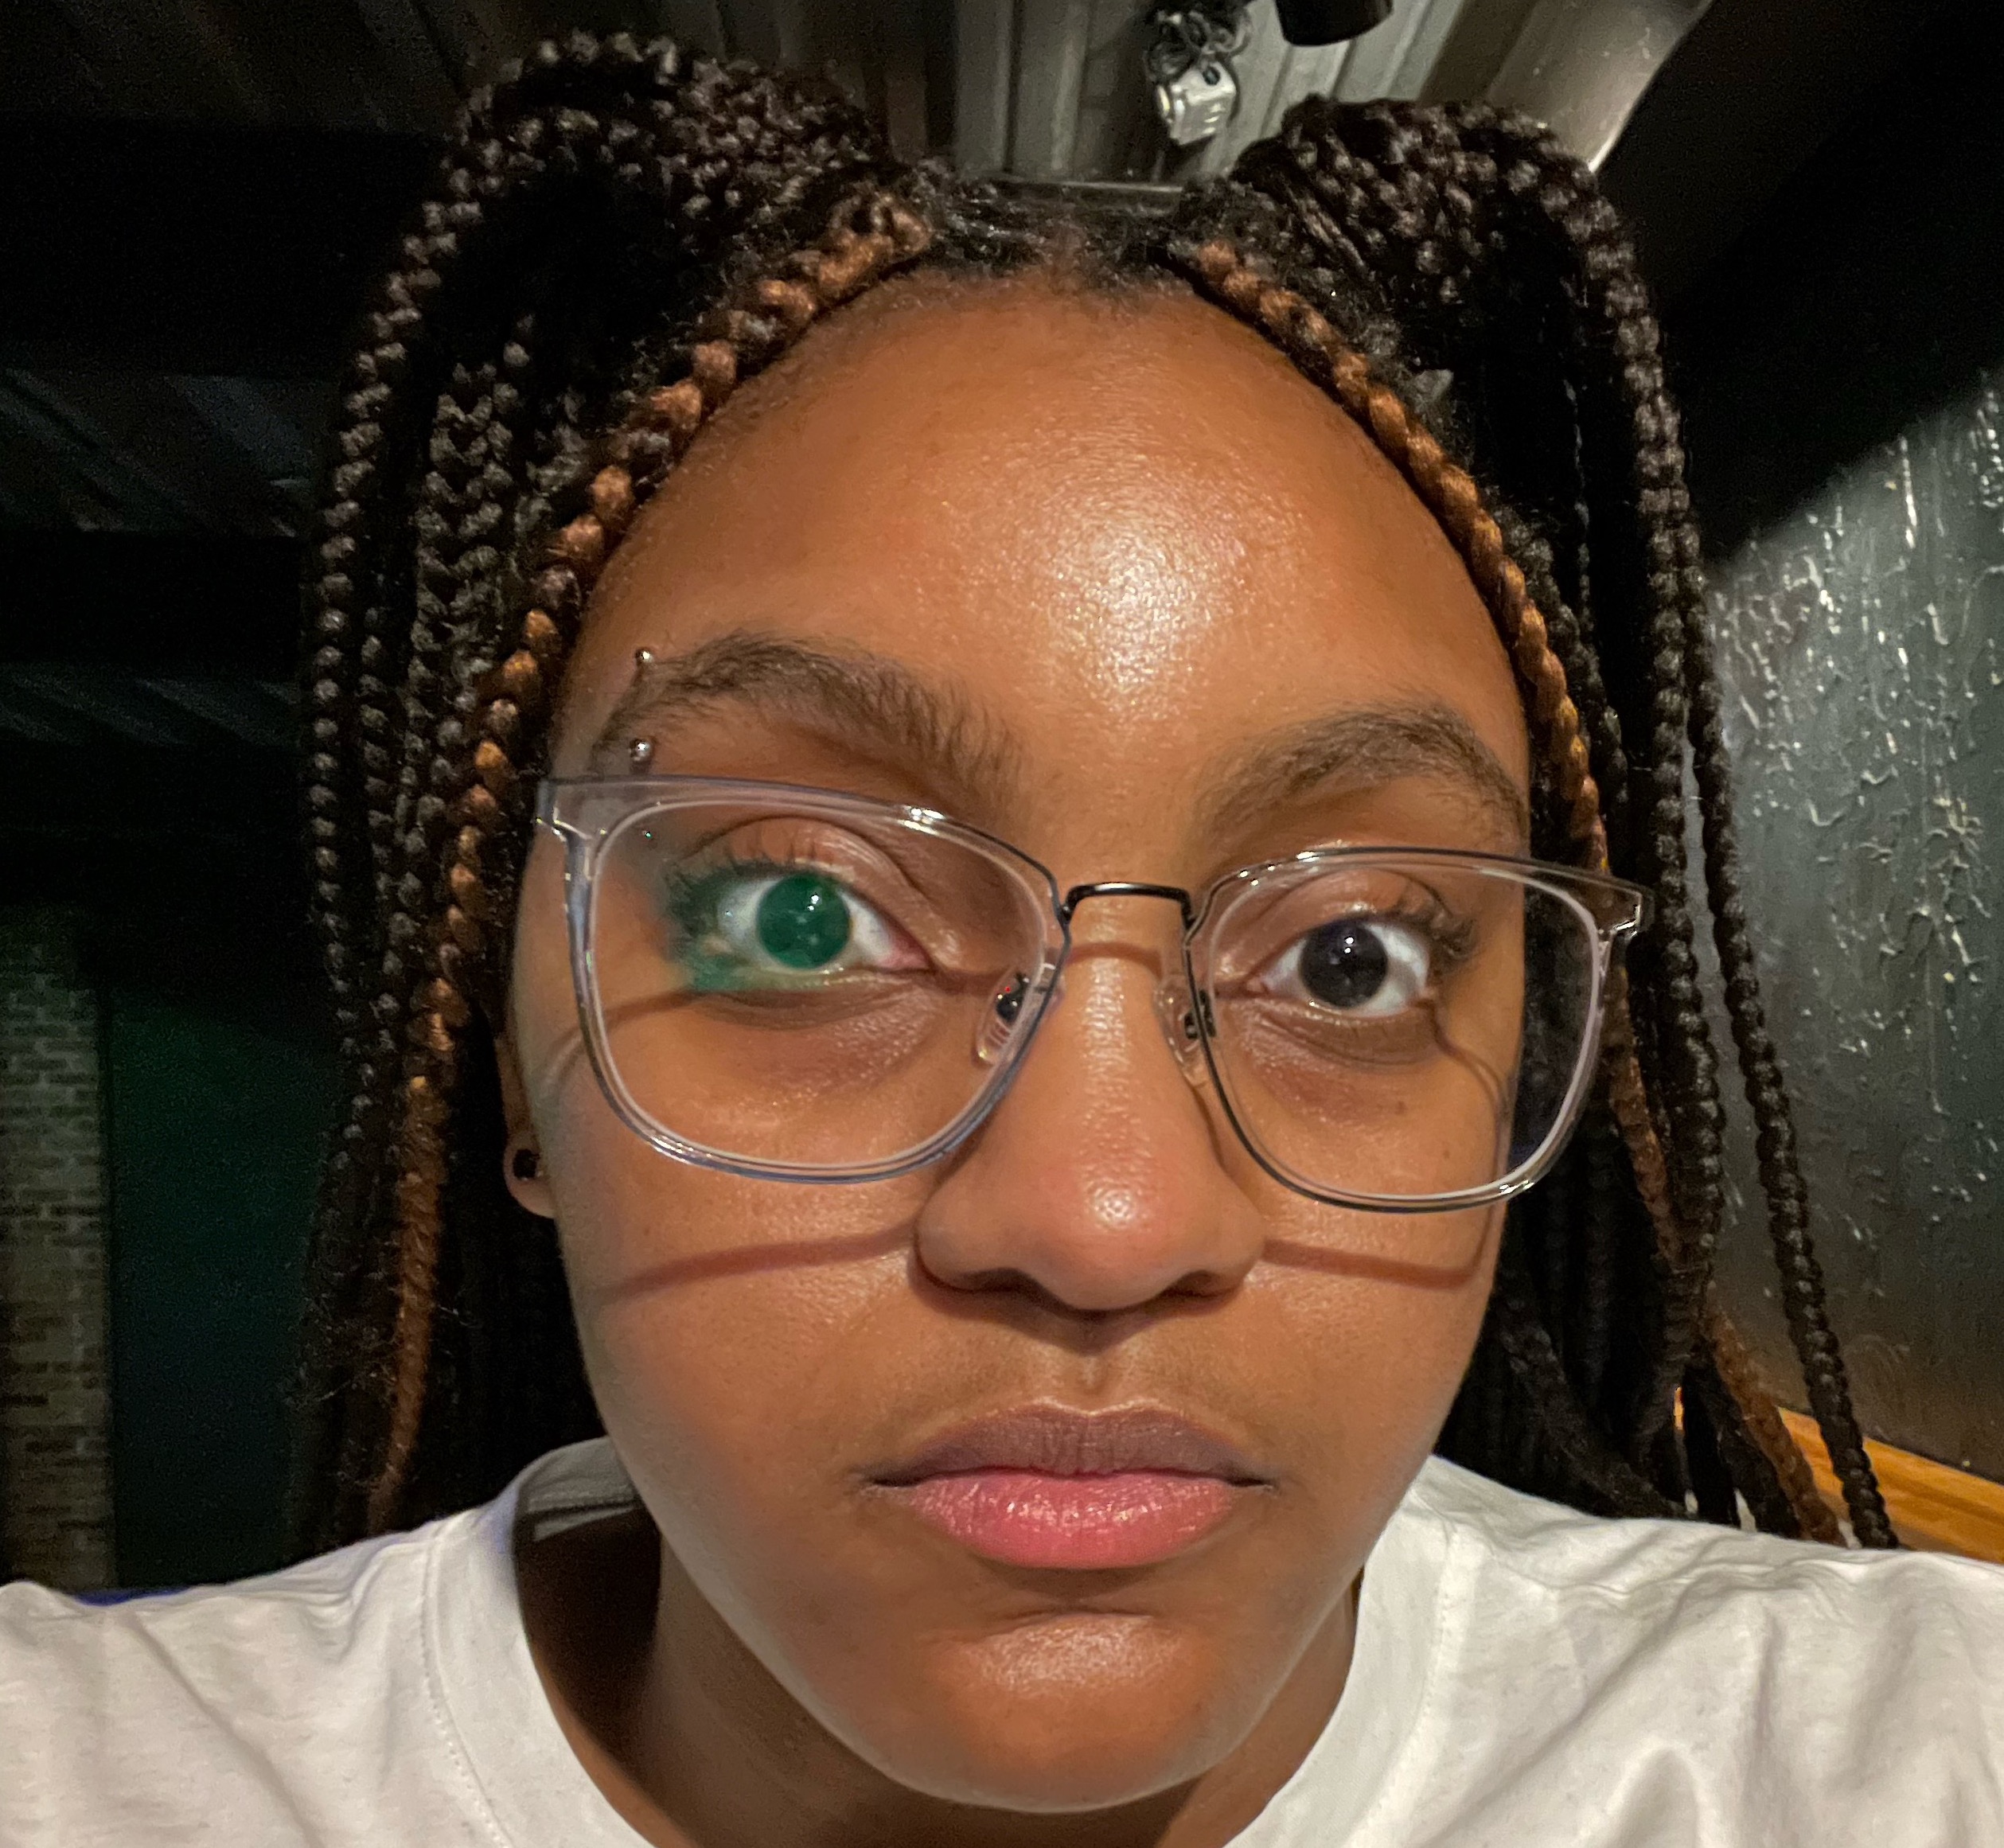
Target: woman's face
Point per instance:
(1141, 572)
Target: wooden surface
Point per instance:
(1934, 1509)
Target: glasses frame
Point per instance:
(586, 813)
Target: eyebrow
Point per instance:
(866, 697)
(938, 731)
(1365, 749)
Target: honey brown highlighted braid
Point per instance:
(619, 236)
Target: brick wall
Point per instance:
(55, 1469)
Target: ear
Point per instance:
(527, 1178)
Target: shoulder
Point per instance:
(308, 1613)
(380, 1696)
(1767, 1689)
(1648, 1569)
(247, 1706)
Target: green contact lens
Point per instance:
(803, 921)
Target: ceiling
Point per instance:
(1038, 86)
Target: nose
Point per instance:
(1103, 1180)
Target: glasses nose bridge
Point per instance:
(1077, 895)
(1177, 1003)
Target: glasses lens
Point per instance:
(1401, 1030)
(806, 987)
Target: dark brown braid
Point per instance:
(619, 235)
(1613, 294)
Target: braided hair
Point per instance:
(620, 234)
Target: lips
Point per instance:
(1050, 1487)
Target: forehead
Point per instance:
(1125, 525)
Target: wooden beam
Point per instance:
(1934, 1509)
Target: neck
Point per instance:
(696, 1745)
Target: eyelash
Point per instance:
(689, 888)
(1450, 939)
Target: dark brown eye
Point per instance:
(1344, 964)
(1358, 966)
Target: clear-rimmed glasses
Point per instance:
(803, 985)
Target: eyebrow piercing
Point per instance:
(640, 753)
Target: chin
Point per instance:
(1065, 1714)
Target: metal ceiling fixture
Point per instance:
(1189, 61)
(1191, 47)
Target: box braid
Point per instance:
(622, 233)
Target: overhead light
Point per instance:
(1328, 22)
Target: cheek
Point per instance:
(1362, 1349)
(737, 1336)
(722, 1319)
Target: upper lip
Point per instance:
(1058, 1440)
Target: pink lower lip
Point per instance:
(1078, 1523)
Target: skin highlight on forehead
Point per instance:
(1091, 517)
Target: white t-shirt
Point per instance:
(1523, 1676)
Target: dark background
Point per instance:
(1818, 189)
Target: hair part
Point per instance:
(620, 236)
